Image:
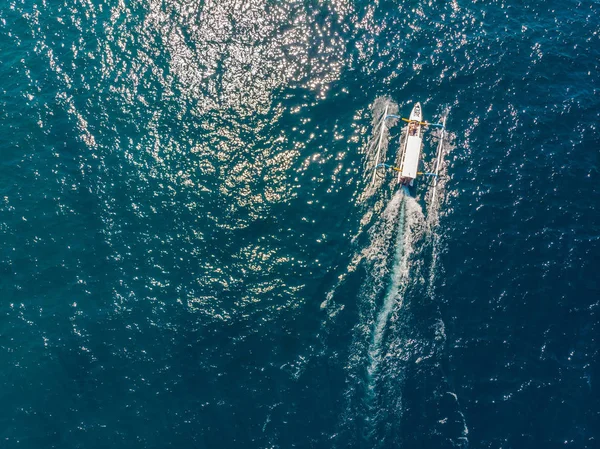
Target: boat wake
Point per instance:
(389, 262)
(391, 349)
(409, 230)
(433, 200)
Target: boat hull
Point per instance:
(411, 153)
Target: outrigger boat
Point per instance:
(410, 148)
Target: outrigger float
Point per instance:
(410, 148)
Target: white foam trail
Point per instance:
(375, 258)
(438, 160)
(409, 230)
(383, 129)
(436, 195)
(434, 203)
(398, 274)
(377, 250)
(380, 235)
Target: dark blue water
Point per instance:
(192, 256)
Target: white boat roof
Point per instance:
(411, 158)
(412, 150)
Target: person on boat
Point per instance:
(412, 129)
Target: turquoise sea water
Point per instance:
(191, 254)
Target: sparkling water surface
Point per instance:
(192, 254)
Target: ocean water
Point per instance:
(192, 253)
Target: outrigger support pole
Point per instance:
(379, 143)
(387, 166)
(439, 157)
(439, 125)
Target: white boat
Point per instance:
(411, 151)
(409, 156)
